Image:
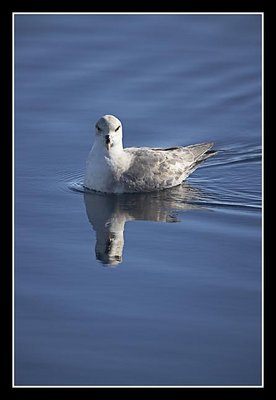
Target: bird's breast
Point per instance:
(104, 170)
(98, 174)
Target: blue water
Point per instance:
(179, 301)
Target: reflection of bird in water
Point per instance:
(108, 214)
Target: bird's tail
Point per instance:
(202, 151)
(208, 154)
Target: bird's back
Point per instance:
(154, 169)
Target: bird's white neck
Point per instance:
(115, 149)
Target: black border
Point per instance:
(6, 166)
(157, 6)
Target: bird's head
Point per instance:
(109, 131)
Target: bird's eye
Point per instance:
(118, 127)
(99, 129)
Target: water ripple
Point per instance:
(212, 189)
(235, 155)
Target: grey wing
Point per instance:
(153, 169)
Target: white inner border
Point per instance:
(13, 204)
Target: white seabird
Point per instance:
(111, 168)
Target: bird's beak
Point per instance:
(107, 142)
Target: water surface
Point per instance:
(172, 296)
